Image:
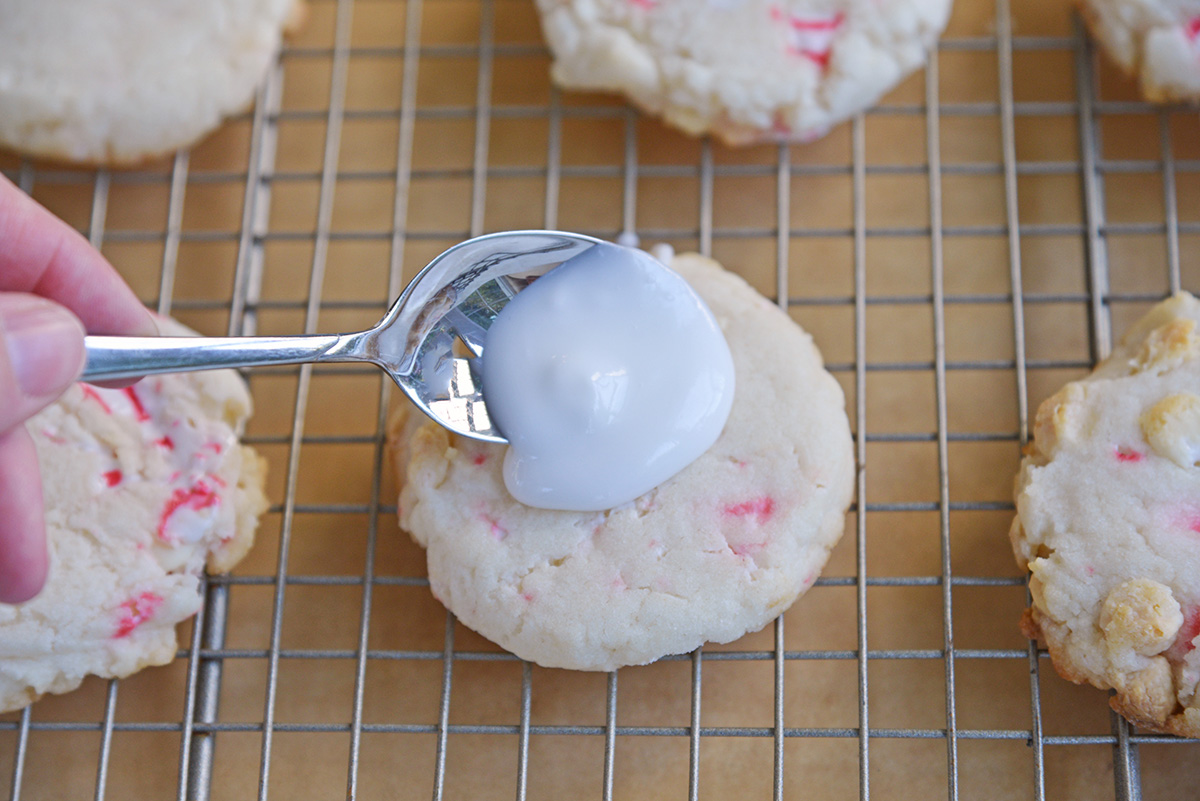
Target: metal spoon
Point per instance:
(453, 300)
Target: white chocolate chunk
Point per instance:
(1140, 615)
(1172, 427)
(1168, 346)
(1060, 419)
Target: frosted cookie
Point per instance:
(1108, 523)
(145, 487)
(1155, 41)
(719, 550)
(112, 81)
(745, 70)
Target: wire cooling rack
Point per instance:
(958, 252)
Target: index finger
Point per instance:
(41, 254)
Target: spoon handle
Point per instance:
(111, 358)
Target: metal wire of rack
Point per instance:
(369, 702)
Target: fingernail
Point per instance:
(44, 343)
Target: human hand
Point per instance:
(53, 287)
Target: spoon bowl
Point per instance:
(428, 342)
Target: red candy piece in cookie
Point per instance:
(759, 509)
(1128, 455)
(137, 611)
(810, 37)
(198, 496)
(139, 410)
(1191, 29)
(91, 394)
(498, 531)
(1187, 632)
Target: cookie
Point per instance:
(1155, 41)
(145, 488)
(1108, 523)
(719, 550)
(106, 81)
(745, 70)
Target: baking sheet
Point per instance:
(327, 245)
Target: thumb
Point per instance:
(23, 557)
(41, 355)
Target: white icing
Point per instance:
(608, 375)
